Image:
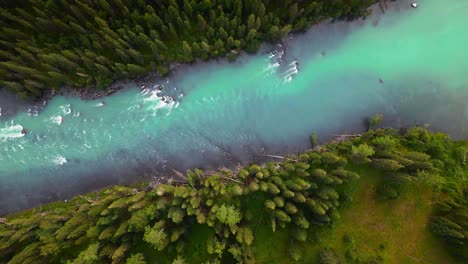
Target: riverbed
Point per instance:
(410, 65)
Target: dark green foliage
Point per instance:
(136, 259)
(375, 120)
(385, 142)
(460, 154)
(361, 153)
(387, 190)
(450, 221)
(386, 164)
(447, 229)
(313, 140)
(294, 251)
(329, 158)
(300, 234)
(83, 44)
(89, 255)
(300, 193)
(348, 240)
(159, 218)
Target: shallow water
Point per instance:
(411, 65)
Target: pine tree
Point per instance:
(135, 70)
(173, 13)
(188, 8)
(206, 49)
(136, 259)
(156, 236)
(201, 22)
(228, 214)
(375, 120)
(252, 42)
(89, 255)
(219, 47)
(293, 10)
(187, 51)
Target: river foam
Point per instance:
(11, 131)
(405, 65)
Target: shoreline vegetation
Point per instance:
(385, 196)
(84, 45)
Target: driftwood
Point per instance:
(274, 156)
(382, 7)
(278, 157)
(222, 176)
(180, 174)
(383, 4)
(87, 199)
(344, 137)
(347, 135)
(231, 179)
(82, 74)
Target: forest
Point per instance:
(86, 44)
(283, 209)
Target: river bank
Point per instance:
(329, 80)
(152, 77)
(341, 192)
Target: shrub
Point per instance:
(375, 120)
(386, 164)
(329, 256)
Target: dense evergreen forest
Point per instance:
(90, 43)
(215, 217)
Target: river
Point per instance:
(410, 64)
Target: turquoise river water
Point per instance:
(410, 64)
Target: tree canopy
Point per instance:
(298, 194)
(84, 44)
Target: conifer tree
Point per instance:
(187, 51)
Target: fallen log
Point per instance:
(180, 174)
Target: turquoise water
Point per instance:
(411, 65)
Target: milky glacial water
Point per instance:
(410, 65)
